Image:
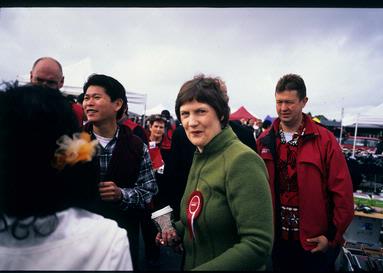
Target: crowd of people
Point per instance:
(79, 180)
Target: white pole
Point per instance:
(341, 126)
(143, 121)
(355, 134)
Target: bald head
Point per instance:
(47, 71)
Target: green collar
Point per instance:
(219, 142)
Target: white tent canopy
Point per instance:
(155, 110)
(368, 117)
(76, 75)
(372, 115)
(158, 109)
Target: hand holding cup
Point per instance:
(169, 238)
(167, 235)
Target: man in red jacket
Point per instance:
(310, 183)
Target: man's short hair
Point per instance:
(113, 88)
(291, 82)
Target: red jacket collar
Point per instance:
(310, 125)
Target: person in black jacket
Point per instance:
(126, 180)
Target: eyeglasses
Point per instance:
(49, 83)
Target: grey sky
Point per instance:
(338, 52)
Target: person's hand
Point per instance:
(321, 243)
(169, 238)
(109, 191)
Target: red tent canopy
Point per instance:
(241, 113)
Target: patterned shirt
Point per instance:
(288, 182)
(144, 188)
(104, 154)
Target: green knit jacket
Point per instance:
(234, 230)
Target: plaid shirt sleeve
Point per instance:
(145, 187)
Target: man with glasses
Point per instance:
(48, 72)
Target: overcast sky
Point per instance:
(337, 51)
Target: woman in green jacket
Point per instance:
(226, 210)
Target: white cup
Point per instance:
(163, 219)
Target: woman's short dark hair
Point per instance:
(32, 119)
(113, 88)
(291, 82)
(207, 90)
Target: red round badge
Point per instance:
(193, 210)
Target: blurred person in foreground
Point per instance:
(48, 71)
(226, 210)
(310, 184)
(126, 180)
(46, 187)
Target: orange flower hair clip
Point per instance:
(72, 151)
